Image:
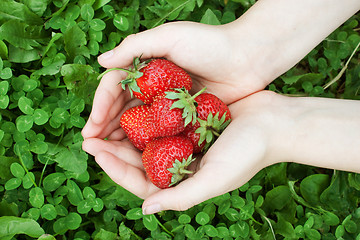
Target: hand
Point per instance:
(247, 145)
(208, 53)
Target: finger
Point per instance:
(107, 94)
(207, 183)
(126, 175)
(121, 149)
(109, 99)
(150, 43)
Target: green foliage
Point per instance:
(50, 188)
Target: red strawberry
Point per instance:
(213, 117)
(171, 111)
(209, 103)
(165, 160)
(194, 137)
(135, 124)
(149, 78)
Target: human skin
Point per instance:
(249, 53)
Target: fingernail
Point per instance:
(154, 208)
(107, 55)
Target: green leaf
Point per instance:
(73, 220)
(4, 101)
(53, 181)
(40, 117)
(36, 197)
(150, 222)
(211, 231)
(312, 234)
(312, 186)
(30, 85)
(232, 214)
(87, 12)
(28, 180)
(39, 147)
(52, 68)
(340, 231)
(121, 22)
(17, 170)
(60, 115)
(4, 52)
(20, 55)
(25, 105)
(210, 18)
(84, 206)
(77, 106)
(14, 10)
(37, 6)
(60, 226)
(22, 35)
(11, 226)
(75, 41)
(202, 218)
(72, 158)
(311, 77)
(277, 197)
(104, 234)
(88, 192)
(134, 214)
(98, 205)
(12, 183)
(24, 123)
(5, 163)
(4, 87)
(184, 219)
(80, 79)
(74, 193)
(97, 24)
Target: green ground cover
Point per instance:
(51, 189)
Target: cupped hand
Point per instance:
(210, 54)
(251, 142)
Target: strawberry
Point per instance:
(134, 122)
(149, 78)
(171, 112)
(213, 116)
(165, 160)
(190, 133)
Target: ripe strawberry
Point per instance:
(149, 78)
(171, 111)
(134, 121)
(213, 117)
(209, 103)
(165, 160)
(190, 133)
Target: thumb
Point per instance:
(151, 43)
(203, 185)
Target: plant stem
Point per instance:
(112, 69)
(163, 227)
(343, 69)
(26, 170)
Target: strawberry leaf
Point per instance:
(179, 170)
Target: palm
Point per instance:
(224, 167)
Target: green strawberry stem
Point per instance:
(197, 94)
(112, 69)
(211, 128)
(186, 102)
(179, 170)
(133, 74)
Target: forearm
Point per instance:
(322, 132)
(284, 31)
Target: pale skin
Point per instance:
(236, 62)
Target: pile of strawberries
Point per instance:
(172, 125)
